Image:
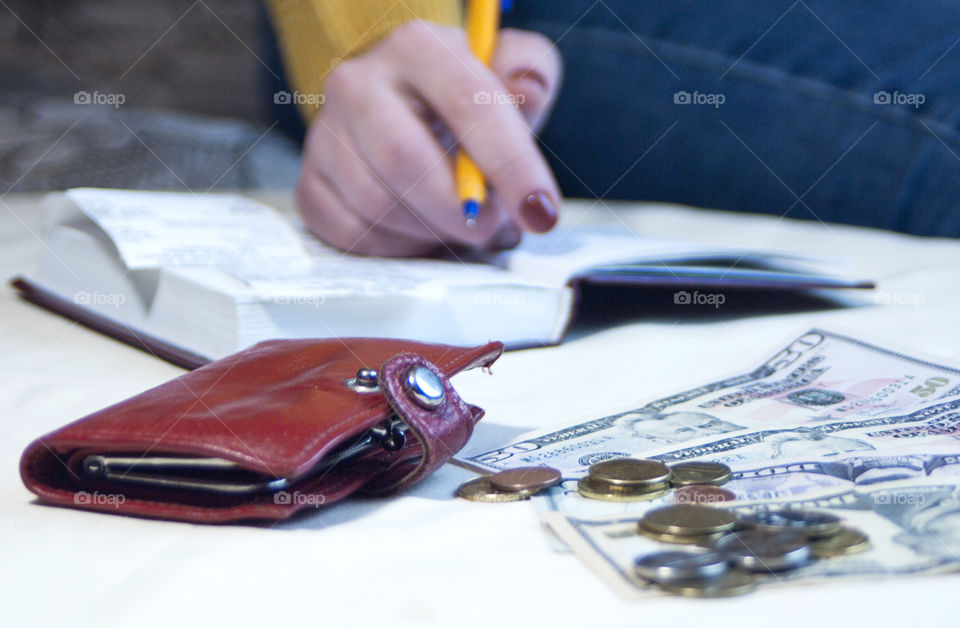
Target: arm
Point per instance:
(316, 35)
(377, 170)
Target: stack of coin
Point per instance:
(689, 524)
(824, 532)
(699, 473)
(765, 550)
(509, 486)
(699, 483)
(736, 551)
(699, 574)
(625, 479)
(812, 525)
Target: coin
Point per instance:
(481, 490)
(676, 565)
(702, 494)
(530, 479)
(813, 524)
(731, 583)
(590, 490)
(599, 486)
(687, 473)
(765, 550)
(689, 520)
(630, 472)
(704, 540)
(847, 541)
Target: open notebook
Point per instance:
(194, 278)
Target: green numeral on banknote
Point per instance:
(930, 386)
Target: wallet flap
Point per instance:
(441, 430)
(276, 409)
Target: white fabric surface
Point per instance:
(425, 557)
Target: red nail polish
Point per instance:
(539, 212)
(529, 74)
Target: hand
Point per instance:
(377, 173)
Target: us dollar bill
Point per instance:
(780, 479)
(791, 461)
(937, 425)
(821, 377)
(914, 528)
(792, 478)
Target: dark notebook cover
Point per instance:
(153, 346)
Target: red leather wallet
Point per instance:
(261, 434)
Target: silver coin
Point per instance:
(765, 550)
(671, 566)
(734, 582)
(810, 523)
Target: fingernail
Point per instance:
(529, 74)
(539, 212)
(507, 237)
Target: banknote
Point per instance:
(914, 528)
(791, 461)
(937, 425)
(792, 478)
(787, 478)
(821, 377)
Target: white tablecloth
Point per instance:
(425, 557)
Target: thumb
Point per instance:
(530, 66)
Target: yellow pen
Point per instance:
(483, 22)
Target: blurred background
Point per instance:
(171, 95)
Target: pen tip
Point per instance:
(471, 209)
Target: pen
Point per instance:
(483, 22)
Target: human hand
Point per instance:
(377, 174)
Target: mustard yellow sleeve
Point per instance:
(315, 35)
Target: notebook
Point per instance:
(192, 278)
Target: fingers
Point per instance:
(347, 202)
(357, 185)
(377, 174)
(382, 168)
(326, 215)
(531, 68)
(408, 160)
(494, 133)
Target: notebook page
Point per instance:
(163, 229)
(569, 251)
(332, 273)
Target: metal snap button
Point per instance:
(424, 387)
(365, 381)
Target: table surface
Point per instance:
(424, 557)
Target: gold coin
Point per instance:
(689, 520)
(847, 541)
(680, 539)
(599, 486)
(730, 584)
(589, 490)
(530, 479)
(687, 473)
(481, 490)
(630, 472)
